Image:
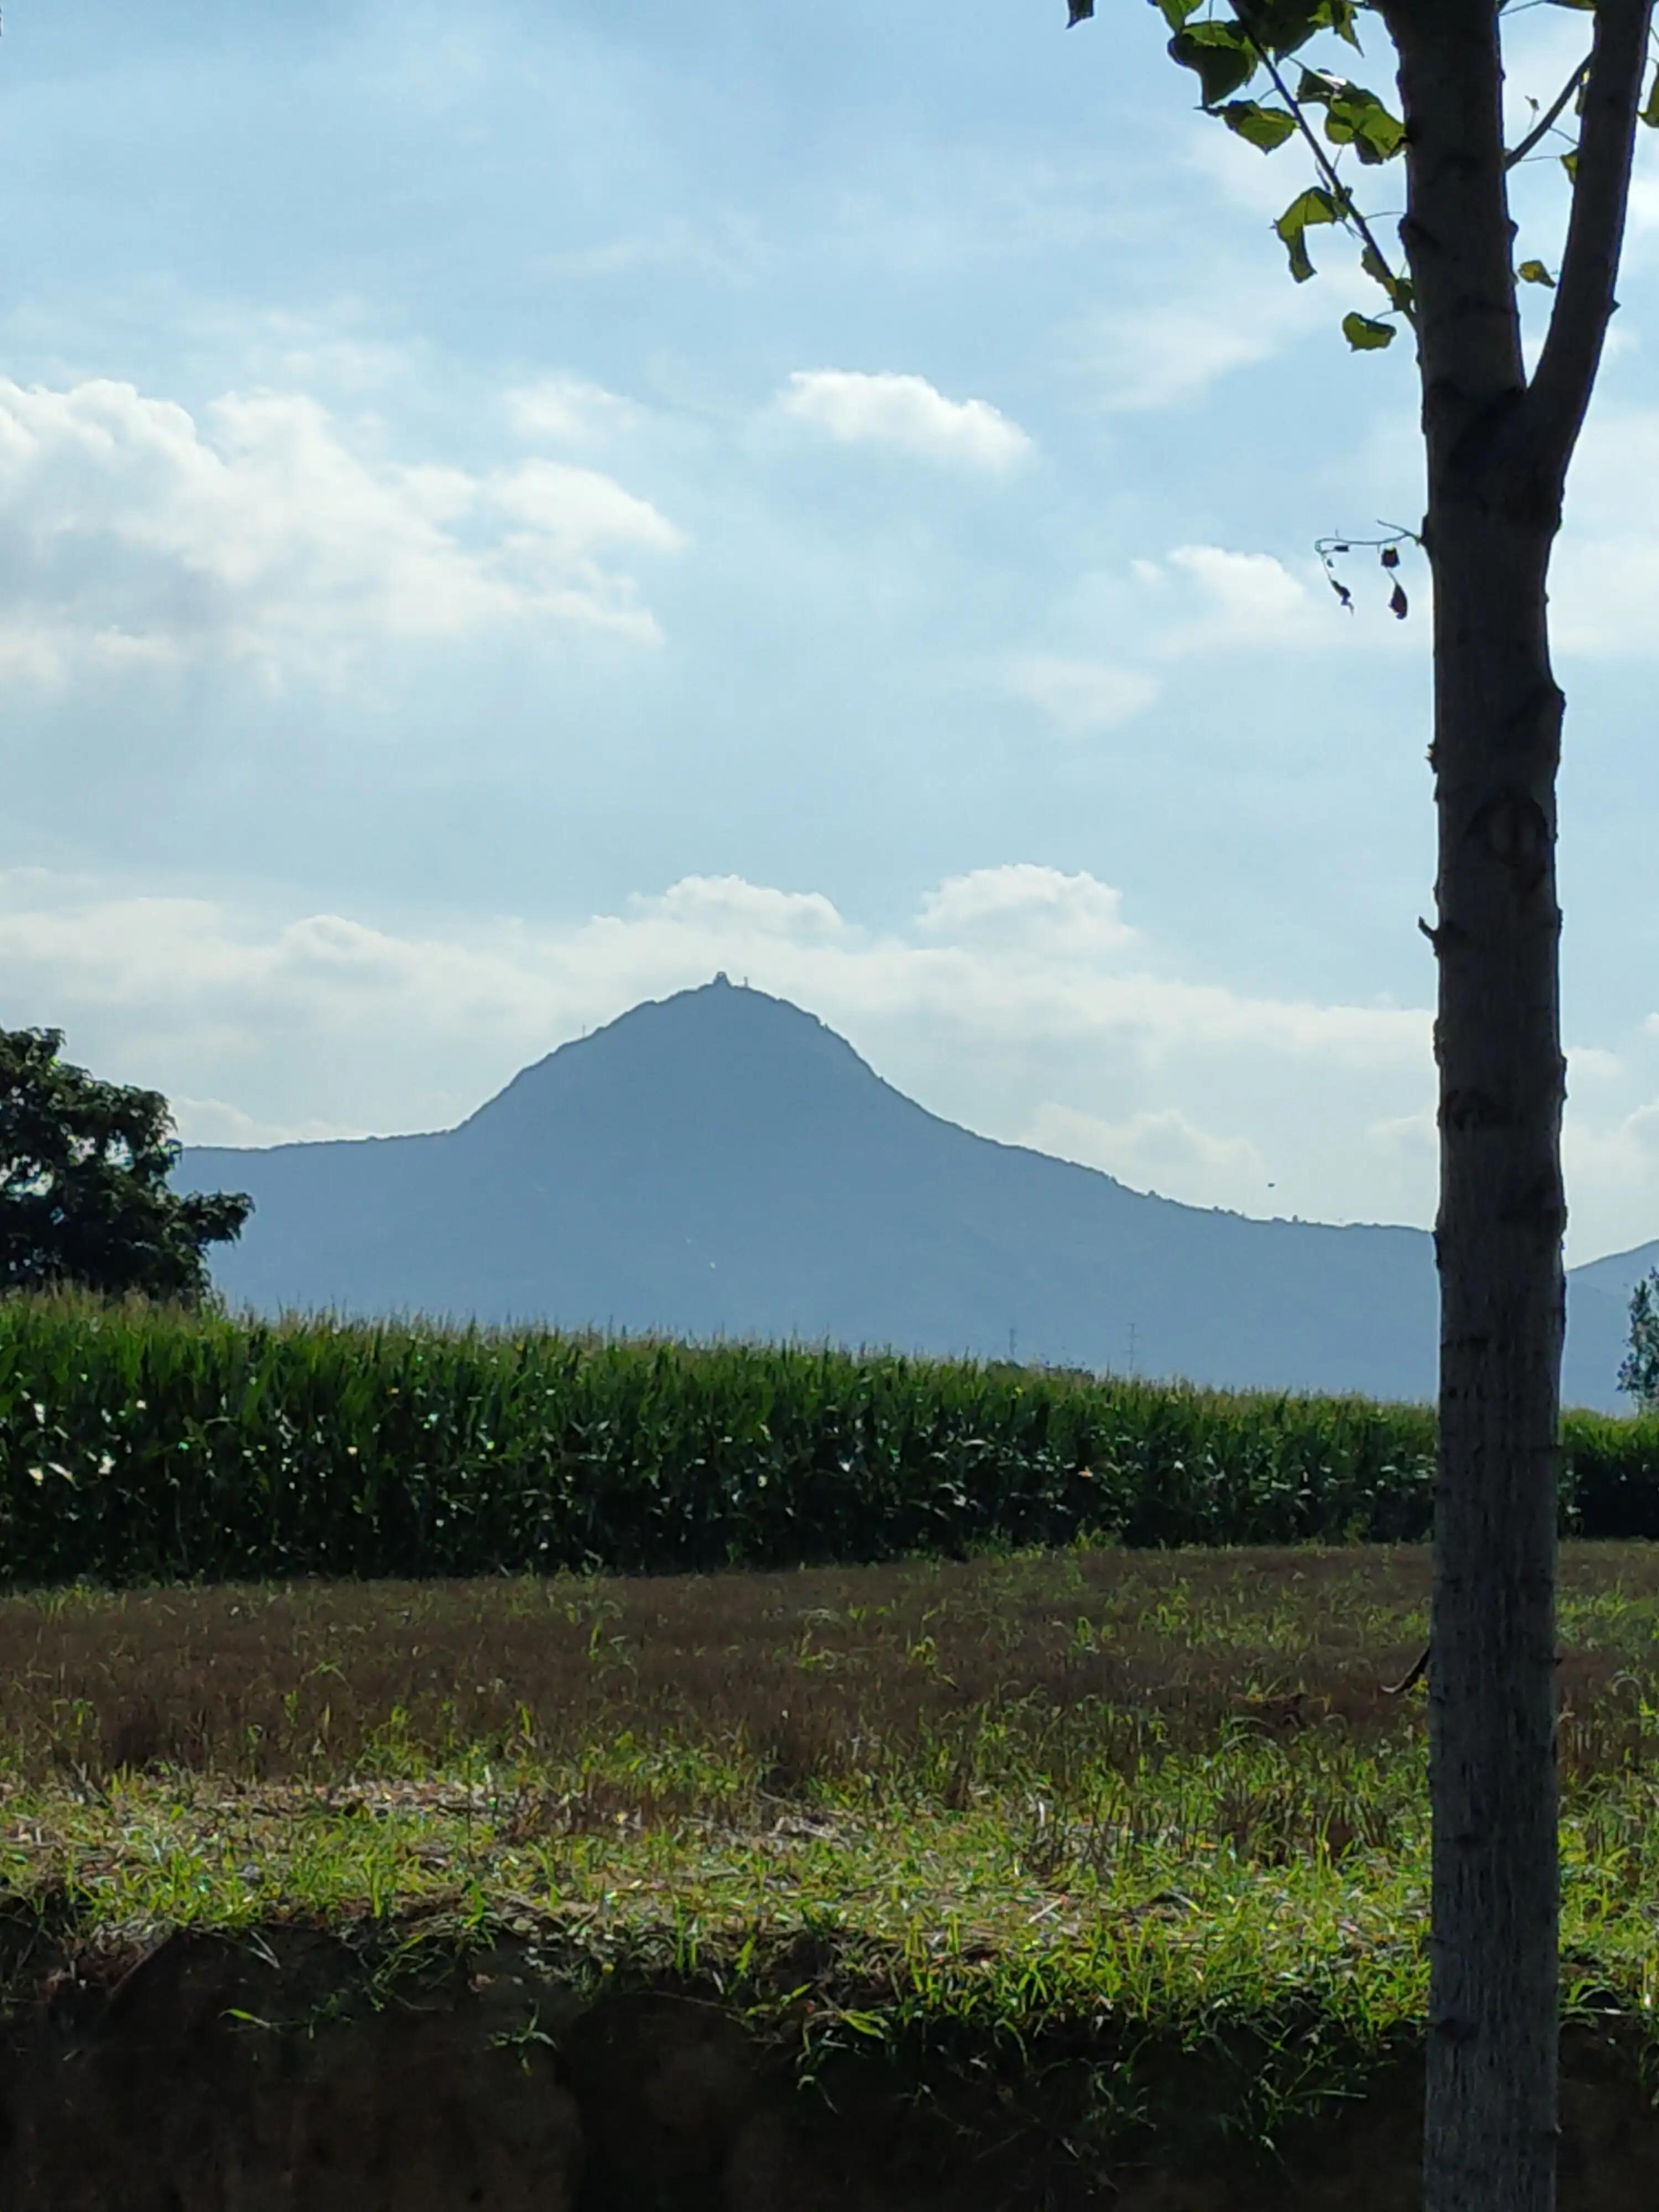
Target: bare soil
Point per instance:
(282, 2070)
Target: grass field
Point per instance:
(1167, 1792)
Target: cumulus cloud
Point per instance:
(906, 413)
(1169, 346)
(215, 1121)
(1055, 944)
(132, 532)
(1604, 576)
(1158, 1149)
(1592, 1063)
(1017, 999)
(1021, 902)
(569, 410)
(1216, 598)
(1081, 698)
(1168, 353)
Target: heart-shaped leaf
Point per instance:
(1365, 335)
(1315, 205)
(1221, 54)
(1266, 127)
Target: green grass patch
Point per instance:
(1144, 1799)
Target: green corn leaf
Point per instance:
(1266, 127)
(1220, 54)
(1313, 206)
(1533, 272)
(1365, 335)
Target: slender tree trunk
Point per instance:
(1494, 509)
(1494, 2003)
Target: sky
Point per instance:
(506, 512)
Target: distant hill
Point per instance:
(720, 1162)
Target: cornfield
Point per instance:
(141, 1444)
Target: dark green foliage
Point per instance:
(139, 1444)
(1640, 1375)
(83, 1182)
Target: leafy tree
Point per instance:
(1640, 1375)
(1497, 444)
(83, 1182)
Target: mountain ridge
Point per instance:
(721, 1161)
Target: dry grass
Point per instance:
(1164, 1789)
(812, 1675)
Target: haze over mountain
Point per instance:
(720, 1162)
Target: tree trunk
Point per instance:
(1493, 2004)
(1494, 508)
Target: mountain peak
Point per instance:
(717, 1049)
(720, 1162)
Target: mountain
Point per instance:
(721, 1163)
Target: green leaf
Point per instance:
(1220, 54)
(1354, 116)
(1533, 272)
(1570, 163)
(1266, 127)
(1279, 26)
(1315, 205)
(1360, 120)
(1650, 114)
(1175, 12)
(1081, 12)
(1399, 289)
(1364, 336)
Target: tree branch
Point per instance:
(1550, 117)
(1585, 300)
(1335, 186)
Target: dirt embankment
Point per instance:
(269, 2076)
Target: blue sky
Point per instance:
(504, 512)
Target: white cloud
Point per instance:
(905, 412)
(213, 1121)
(132, 532)
(1160, 1150)
(1407, 1133)
(1168, 348)
(1170, 353)
(1017, 999)
(1591, 1063)
(1019, 949)
(1012, 959)
(1019, 901)
(1604, 577)
(1222, 598)
(1080, 697)
(1200, 600)
(569, 410)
